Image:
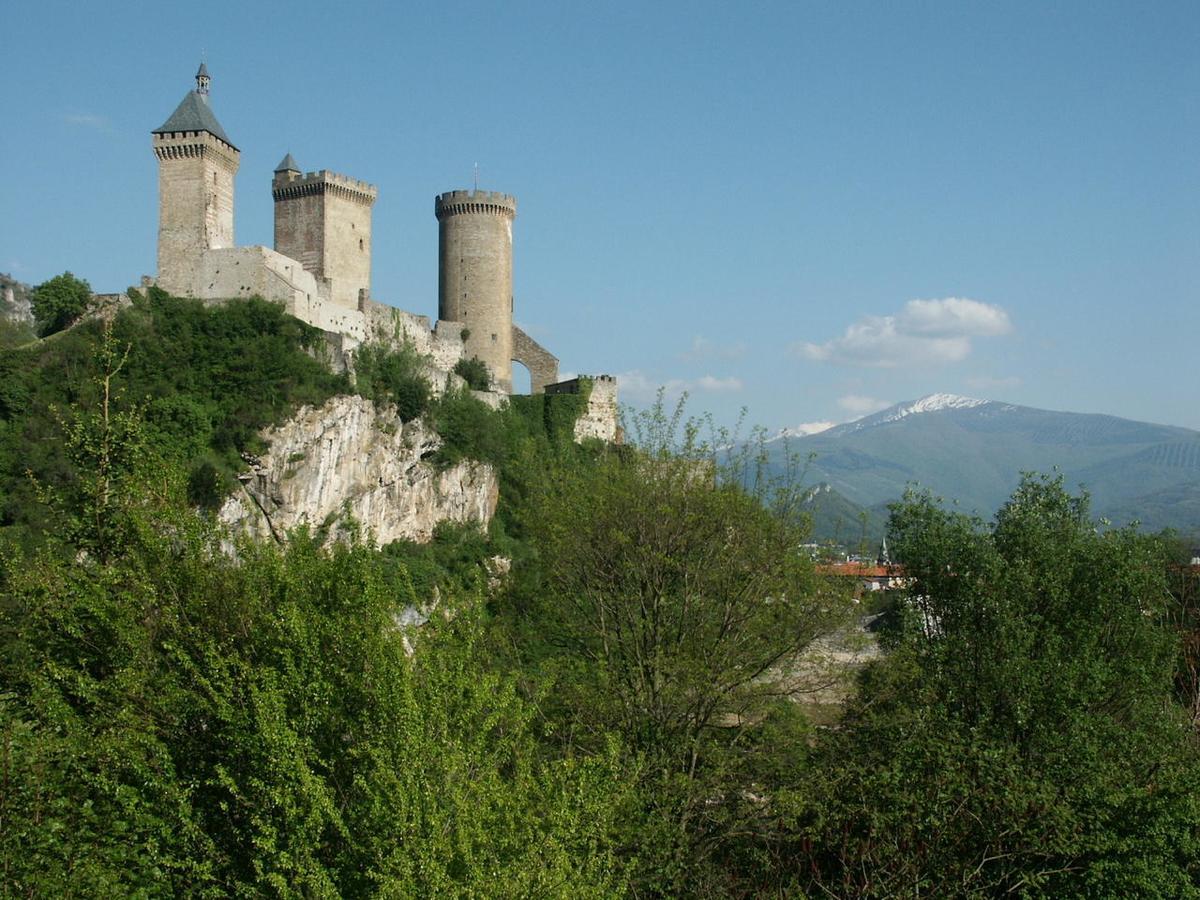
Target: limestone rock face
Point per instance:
(346, 462)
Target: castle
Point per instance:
(320, 266)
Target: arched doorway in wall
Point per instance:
(521, 381)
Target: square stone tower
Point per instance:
(197, 164)
(323, 221)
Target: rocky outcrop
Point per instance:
(347, 462)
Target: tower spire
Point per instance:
(202, 80)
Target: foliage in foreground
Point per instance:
(667, 609)
(176, 721)
(1022, 737)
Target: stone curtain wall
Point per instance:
(601, 418)
(541, 363)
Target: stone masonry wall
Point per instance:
(299, 228)
(601, 418)
(541, 363)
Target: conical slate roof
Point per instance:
(194, 114)
(287, 164)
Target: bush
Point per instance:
(1021, 737)
(59, 302)
(470, 429)
(474, 372)
(396, 376)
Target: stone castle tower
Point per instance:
(320, 266)
(475, 274)
(323, 221)
(196, 167)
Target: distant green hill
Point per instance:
(972, 452)
(841, 521)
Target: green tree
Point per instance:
(59, 302)
(671, 605)
(1022, 737)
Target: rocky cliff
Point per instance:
(348, 462)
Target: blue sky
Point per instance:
(805, 209)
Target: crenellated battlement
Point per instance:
(194, 145)
(456, 203)
(289, 186)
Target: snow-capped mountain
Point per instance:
(973, 451)
(804, 429)
(929, 404)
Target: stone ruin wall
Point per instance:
(601, 419)
(541, 363)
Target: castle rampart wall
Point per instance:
(541, 363)
(601, 418)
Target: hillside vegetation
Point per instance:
(594, 697)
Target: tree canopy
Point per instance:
(1021, 737)
(59, 302)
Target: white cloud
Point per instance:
(636, 386)
(704, 349)
(712, 383)
(924, 332)
(954, 317)
(859, 405)
(88, 120)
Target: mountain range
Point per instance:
(972, 452)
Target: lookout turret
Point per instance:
(197, 164)
(475, 274)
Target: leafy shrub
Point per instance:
(59, 302)
(474, 372)
(206, 486)
(470, 429)
(396, 376)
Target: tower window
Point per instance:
(360, 246)
(493, 339)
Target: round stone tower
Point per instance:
(475, 274)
